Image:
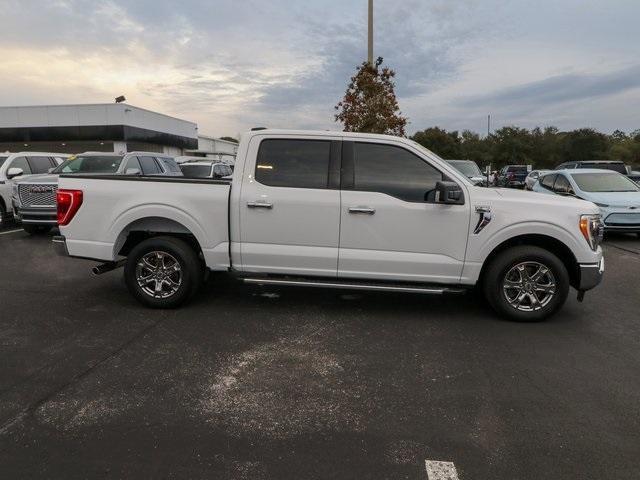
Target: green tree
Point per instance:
(512, 145)
(585, 144)
(370, 104)
(443, 143)
(475, 148)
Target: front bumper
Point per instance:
(36, 216)
(60, 245)
(590, 275)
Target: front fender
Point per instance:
(480, 248)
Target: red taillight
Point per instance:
(69, 202)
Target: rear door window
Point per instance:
(149, 166)
(294, 163)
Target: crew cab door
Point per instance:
(290, 206)
(391, 227)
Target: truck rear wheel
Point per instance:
(526, 284)
(163, 272)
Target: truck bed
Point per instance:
(113, 206)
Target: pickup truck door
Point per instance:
(391, 229)
(290, 206)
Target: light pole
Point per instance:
(370, 57)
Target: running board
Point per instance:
(429, 290)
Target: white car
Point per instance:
(617, 196)
(335, 210)
(14, 166)
(34, 198)
(206, 169)
(533, 177)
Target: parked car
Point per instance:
(532, 178)
(206, 169)
(614, 165)
(513, 176)
(470, 169)
(14, 166)
(34, 199)
(335, 210)
(617, 197)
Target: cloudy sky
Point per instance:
(233, 64)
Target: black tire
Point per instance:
(508, 263)
(173, 249)
(36, 229)
(3, 215)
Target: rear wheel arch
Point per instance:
(149, 227)
(546, 242)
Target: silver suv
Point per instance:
(34, 199)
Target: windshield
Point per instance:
(616, 167)
(90, 164)
(604, 182)
(522, 169)
(2, 159)
(466, 167)
(196, 171)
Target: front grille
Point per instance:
(623, 220)
(37, 195)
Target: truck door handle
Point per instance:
(266, 205)
(364, 210)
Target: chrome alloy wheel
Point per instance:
(529, 286)
(159, 274)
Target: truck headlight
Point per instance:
(592, 229)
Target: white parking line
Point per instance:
(10, 231)
(441, 470)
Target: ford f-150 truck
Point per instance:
(335, 210)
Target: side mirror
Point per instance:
(14, 172)
(449, 193)
(132, 171)
(50, 170)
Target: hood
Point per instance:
(614, 199)
(537, 199)
(46, 178)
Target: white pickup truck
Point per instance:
(335, 210)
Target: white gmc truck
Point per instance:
(335, 210)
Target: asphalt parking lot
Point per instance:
(257, 383)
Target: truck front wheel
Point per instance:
(526, 283)
(163, 272)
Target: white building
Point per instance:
(112, 127)
(212, 147)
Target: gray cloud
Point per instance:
(230, 65)
(558, 89)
